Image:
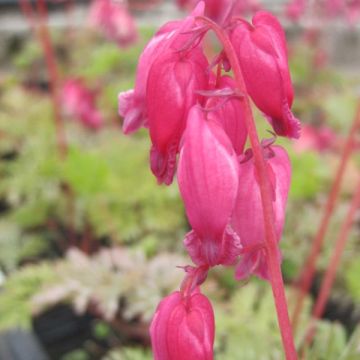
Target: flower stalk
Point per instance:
(51, 65)
(334, 263)
(307, 276)
(264, 184)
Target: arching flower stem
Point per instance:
(334, 263)
(307, 275)
(265, 190)
(51, 65)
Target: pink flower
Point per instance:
(334, 7)
(114, 20)
(171, 92)
(316, 139)
(80, 102)
(248, 220)
(132, 103)
(230, 114)
(295, 9)
(262, 54)
(208, 182)
(352, 11)
(183, 328)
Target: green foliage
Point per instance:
(19, 288)
(109, 276)
(352, 278)
(128, 353)
(309, 174)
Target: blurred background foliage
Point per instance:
(96, 233)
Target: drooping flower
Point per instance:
(79, 102)
(183, 328)
(229, 112)
(114, 20)
(262, 53)
(132, 103)
(248, 219)
(171, 92)
(208, 182)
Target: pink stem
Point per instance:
(265, 190)
(51, 65)
(330, 273)
(307, 276)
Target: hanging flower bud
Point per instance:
(208, 182)
(262, 54)
(114, 20)
(132, 103)
(248, 220)
(80, 102)
(171, 91)
(183, 328)
(229, 112)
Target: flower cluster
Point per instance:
(114, 20)
(196, 115)
(348, 9)
(79, 102)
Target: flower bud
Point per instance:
(132, 103)
(80, 102)
(171, 92)
(183, 328)
(208, 182)
(248, 219)
(262, 55)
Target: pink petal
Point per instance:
(171, 92)
(263, 58)
(231, 115)
(208, 180)
(248, 220)
(183, 328)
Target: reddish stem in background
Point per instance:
(28, 12)
(50, 60)
(307, 276)
(265, 190)
(334, 263)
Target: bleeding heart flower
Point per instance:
(114, 19)
(171, 91)
(80, 102)
(229, 112)
(132, 103)
(262, 54)
(208, 182)
(248, 220)
(183, 328)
